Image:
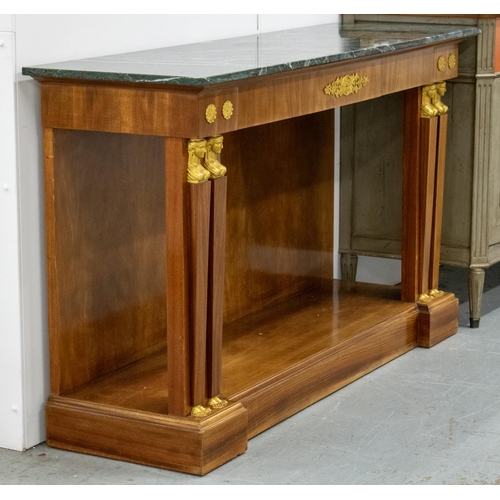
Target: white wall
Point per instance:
(11, 394)
(42, 39)
(6, 22)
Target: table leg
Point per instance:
(216, 291)
(423, 186)
(177, 277)
(476, 287)
(411, 233)
(437, 216)
(199, 232)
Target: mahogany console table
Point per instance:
(191, 300)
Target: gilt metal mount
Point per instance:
(431, 100)
(346, 85)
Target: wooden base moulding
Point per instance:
(111, 418)
(437, 320)
(189, 444)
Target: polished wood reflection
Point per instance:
(263, 347)
(109, 263)
(279, 211)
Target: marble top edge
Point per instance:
(226, 60)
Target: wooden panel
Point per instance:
(119, 109)
(288, 96)
(445, 51)
(50, 242)
(109, 280)
(259, 100)
(142, 385)
(217, 98)
(279, 211)
(189, 445)
(457, 211)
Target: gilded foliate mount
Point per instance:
(346, 85)
(200, 411)
(428, 297)
(214, 403)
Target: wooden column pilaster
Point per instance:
(216, 286)
(423, 191)
(437, 215)
(177, 277)
(411, 233)
(199, 233)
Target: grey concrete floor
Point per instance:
(429, 417)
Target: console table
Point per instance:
(189, 227)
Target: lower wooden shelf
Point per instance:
(275, 363)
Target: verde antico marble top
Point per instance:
(233, 59)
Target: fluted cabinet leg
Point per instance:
(476, 286)
(348, 266)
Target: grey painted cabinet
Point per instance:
(371, 155)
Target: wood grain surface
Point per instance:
(191, 445)
(176, 254)
(125, 108)
(199, 230)
(107, 275)
(279, 211)
(437, 217)
(437, 320)
(216, 273)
